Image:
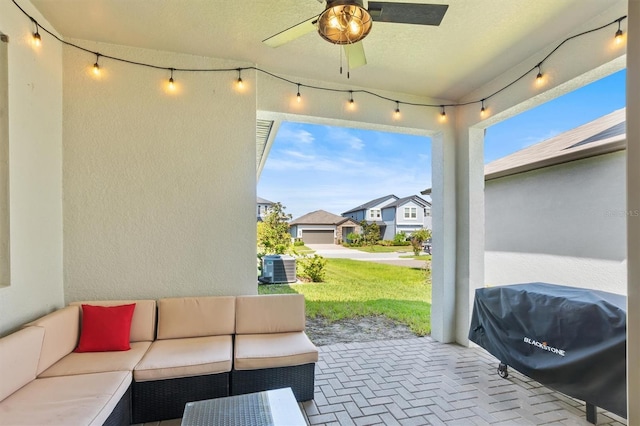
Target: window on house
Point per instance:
(374, 213)
(410, 213)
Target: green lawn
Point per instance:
(303, 250)
(419, 257)
(355, 288)
(384, 249)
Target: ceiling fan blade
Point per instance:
(292, 33)
(407, 13)
(355, 55)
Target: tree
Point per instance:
(273, 231)
(419, 237)
(370, 233)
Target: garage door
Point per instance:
(317, 237)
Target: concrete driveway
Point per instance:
(334, 251)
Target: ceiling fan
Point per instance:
(347, 22)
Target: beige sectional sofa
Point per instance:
(182, 349)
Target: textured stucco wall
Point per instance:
(35, 171)
(159, 188)
(563, 224)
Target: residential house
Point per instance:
(263, 207)
(393, 214)
(406, 215)
(371, 211)
(120, 187)
(556, 211)
(322, 227)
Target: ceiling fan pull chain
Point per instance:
(340, 53)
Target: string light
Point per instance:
(37, 40)
(618, 37)
(96, 66)
(539, 77)
(172, 85)
(239, 82)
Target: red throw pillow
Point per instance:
(105, 328)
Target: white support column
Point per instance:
(470, 225)
(443, 262)
(633, 218)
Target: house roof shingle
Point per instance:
(264, 201)
(370, 204)
(319, 217)
(404, 200)
(601, 136)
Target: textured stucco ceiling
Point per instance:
(476, 41)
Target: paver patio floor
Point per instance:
(423, 382)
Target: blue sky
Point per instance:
(312, 167)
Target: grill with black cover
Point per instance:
(570, 339)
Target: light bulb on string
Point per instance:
(619, 34)
(539, 77)
(443, 114)
(352, 104)
(396, 113)
(298, 96)
(483, 111)
(172, 85)
(239, 82)
(37, 40)
(96, 66)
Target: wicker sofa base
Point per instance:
(121, 414)
(299, 378)
(165, 399)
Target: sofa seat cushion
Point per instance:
(257, 351)
(84, 399)
(98, 362)
(194, 356)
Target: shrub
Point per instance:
(312, 267)
(400, 237)
(298, 242)
(354, 240)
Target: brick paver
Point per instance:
(422, 382)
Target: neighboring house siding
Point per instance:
(388, 217)
(410, 223)
(263, 209)
(564, 224)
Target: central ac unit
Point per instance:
(278, 269)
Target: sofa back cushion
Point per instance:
(19, 355)
(61, 331)
(143, 323)
(183, 317)
(273, 313)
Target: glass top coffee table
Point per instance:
(270, 408)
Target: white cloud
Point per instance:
(342, 136)
(288, 135)
(298, 154)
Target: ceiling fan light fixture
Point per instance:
(344, 22)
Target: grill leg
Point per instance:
(592, 413)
